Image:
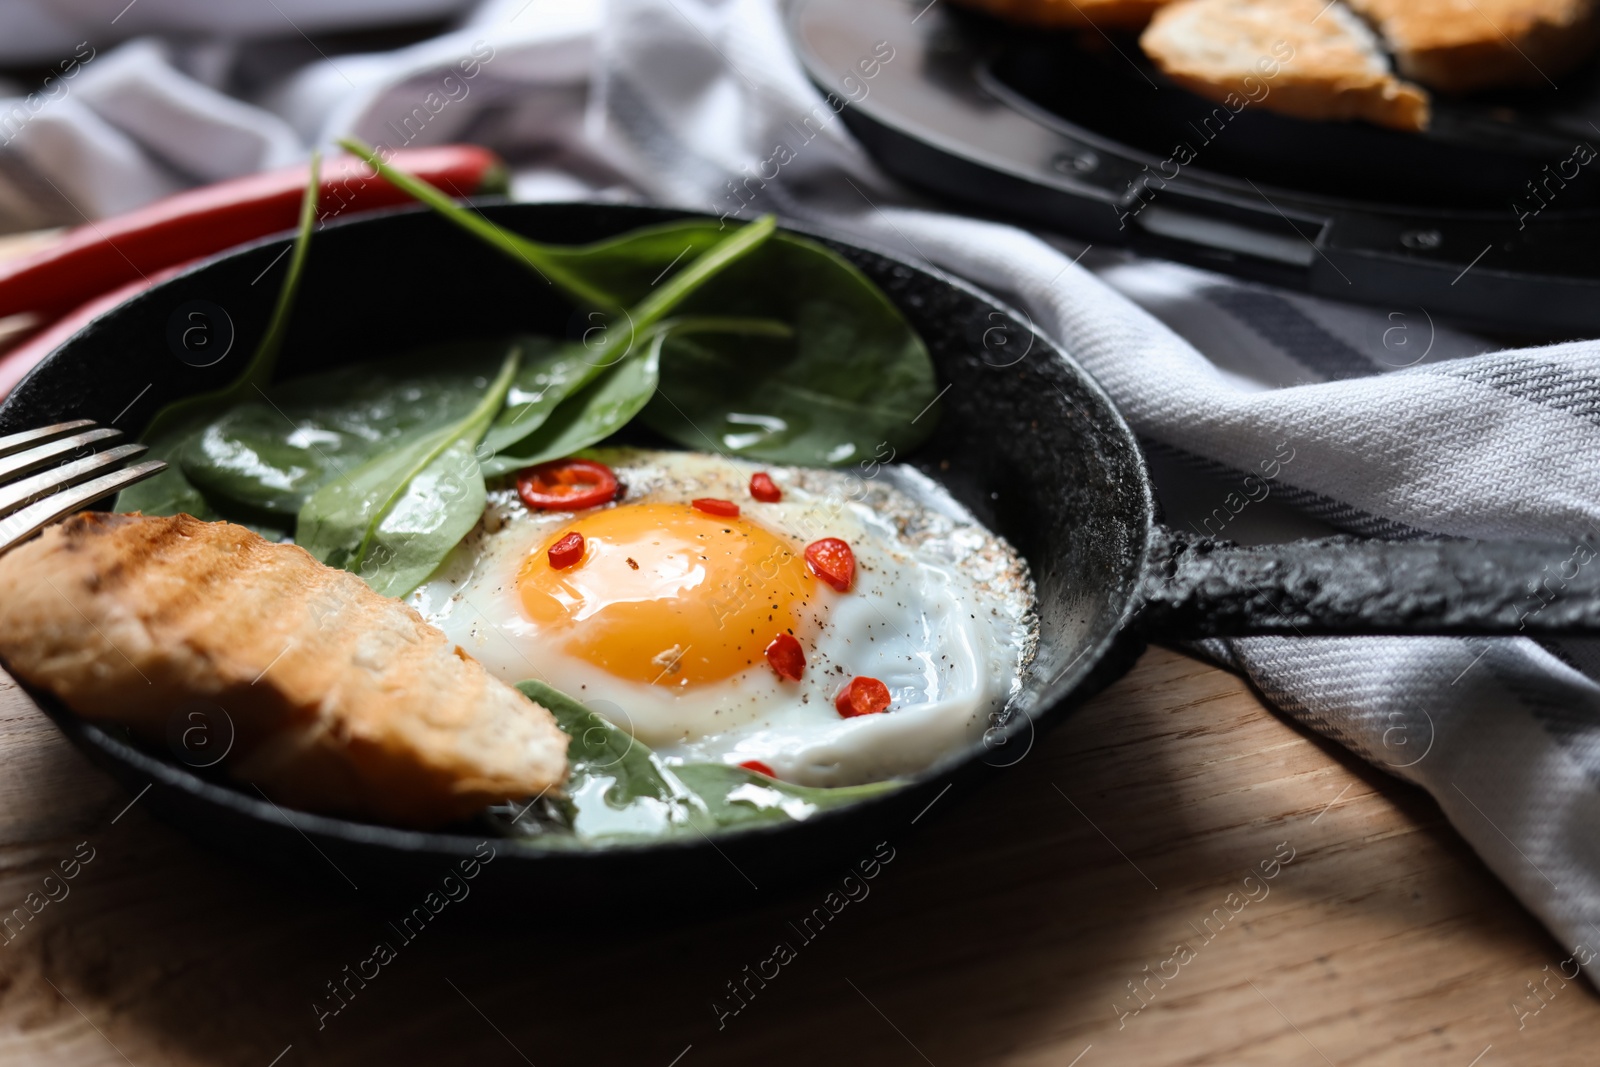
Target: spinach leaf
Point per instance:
(610, 399)
(554, 372)
(170, 492)
(854, 375)
(590, 390)
(608, 274)
(628, 266)
(175, 426)
(594, 412)
(393, 519)
(597, 404)
(270, 454)
(693, 277)
(621, 791)
(595, 746)
(735, 797)
(535, 256)
(616, 786)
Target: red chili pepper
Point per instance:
(764, 489)
(788, 659)
(831, 560)
(723, 509)
(100, 256)
(567, 551)
(566, 485)
(759, 767)
(863, 696)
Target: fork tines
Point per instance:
(55, 470)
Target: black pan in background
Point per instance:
(1025, 439)
(1075, 132)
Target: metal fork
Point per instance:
(55, 470)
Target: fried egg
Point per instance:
(663, 623)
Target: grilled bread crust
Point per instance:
(1304, 58)
(1462, 45)
(339, 700)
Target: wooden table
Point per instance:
(1006, 929)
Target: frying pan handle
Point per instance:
(1198, 587)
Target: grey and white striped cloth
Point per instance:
(1379, 422)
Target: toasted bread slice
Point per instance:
(1306, 58)
(328, 696)
(1071, 14)
(1461, 45)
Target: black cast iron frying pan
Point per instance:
(1026, 440)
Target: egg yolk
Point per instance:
(668, 595)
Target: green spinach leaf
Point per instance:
(628, 266)
(591, 389)
(271, 454)
(170, 492)
(610, 274)
(175, 426)
(621, 791)
(603, 386)
(609, 398)
(853, 376)
(555, 372)
(594, 412)
(733, 796)
(393, 519)
(531, 254)
(616, 787)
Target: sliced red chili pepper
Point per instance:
(759, 767)
(863, 696)
(724, 509)
(566, 485)
(567, 551)
(831, 560)
(764, 489)
(788, 659)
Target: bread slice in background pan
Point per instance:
(1070, 14)
(1462, 45)
(1305, 58)
(328, 696)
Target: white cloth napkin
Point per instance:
(1374, 421)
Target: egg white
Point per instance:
(941, 613)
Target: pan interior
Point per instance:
(1025, 440)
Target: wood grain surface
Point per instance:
(1006, 929)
